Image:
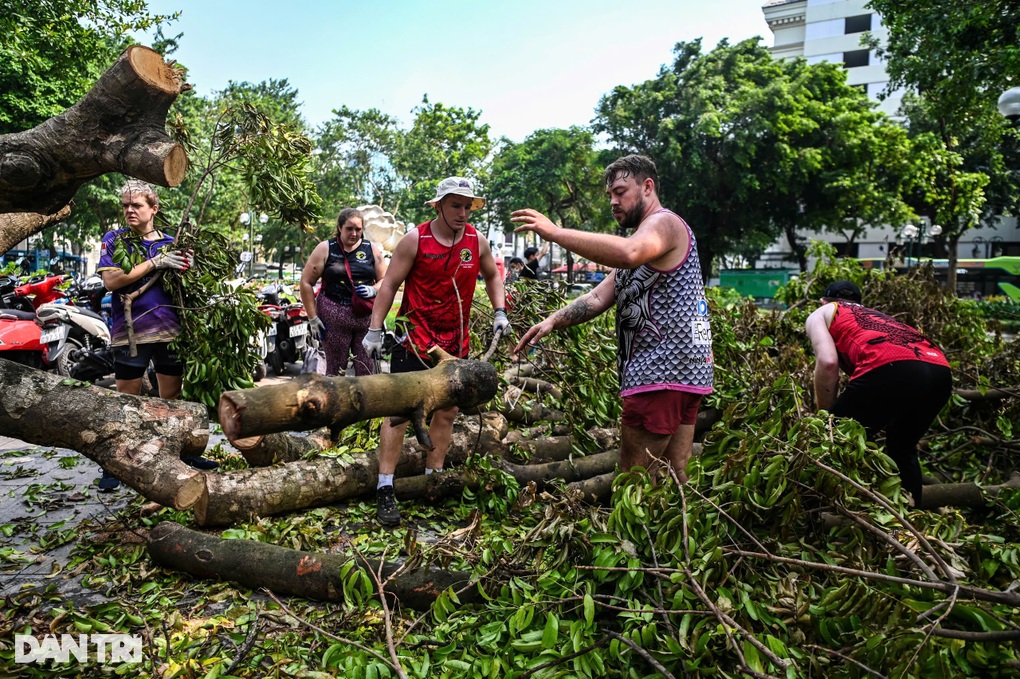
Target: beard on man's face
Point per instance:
(631, 218)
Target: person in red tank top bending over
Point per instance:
(899, 380)
(437, 263)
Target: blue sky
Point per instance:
(526, 65)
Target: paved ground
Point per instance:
(48, 500)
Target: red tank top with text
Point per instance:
(438, 292)
(867, 339)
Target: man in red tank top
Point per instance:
(438, 264)
(899, 380)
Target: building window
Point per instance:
(856, 58)
(858, 24)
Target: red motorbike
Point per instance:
(21, 338)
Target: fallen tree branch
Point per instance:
(311, 401)
(119, 126)
(312, 575)
(139, 440)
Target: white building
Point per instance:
(831, 30)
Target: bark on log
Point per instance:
(962, 494)
(270, 449)
(138, 440)
(18, 226)
(220, 499)
(533, 385)
(289, 571)
(597, 490)
(312, 401)
(119, 126)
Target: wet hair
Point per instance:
(139, 188)
(530, 252)
(638, 167)
(348, 213)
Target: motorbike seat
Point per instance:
(19, 314)
(85, 311)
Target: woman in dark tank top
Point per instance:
(329, 311)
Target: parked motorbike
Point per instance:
(20, 332)
(290, 323)
(78, 340)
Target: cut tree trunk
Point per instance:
(312, 401)
(119, 126)
(138, 440)
(312, 575)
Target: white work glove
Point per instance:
(500, 323)
(365, 291)
(373, 343)
(316, 327)
(171, 260)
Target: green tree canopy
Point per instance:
(52, 52)
(957, 58)
(555, 171)
(748, 147)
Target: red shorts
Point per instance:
(660, 412)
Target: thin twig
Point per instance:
(656, 665)
(847, 658)
(1007, 598)
(896, 544)
(387, 615)
(565, 658)
(378, 656)
(933, 627)
(249, 642)
(1003, 635)
(943, 566)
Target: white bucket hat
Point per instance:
(458, 186)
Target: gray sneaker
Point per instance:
(387, 512)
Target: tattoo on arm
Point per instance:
(579, 311)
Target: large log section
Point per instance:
(119, 126)
(312, 401)
(138, 440)
(314, 575)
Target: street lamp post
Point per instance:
(248, 219)
(914, 234)
(1009, 104)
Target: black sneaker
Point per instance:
(387, 510)
(108, 482)
(202, 463)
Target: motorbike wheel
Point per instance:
(259, 373)
(276, 363)
(64, 363)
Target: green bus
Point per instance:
(978, 278)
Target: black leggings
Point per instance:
(903, 398)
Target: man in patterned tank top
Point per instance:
(665, 341)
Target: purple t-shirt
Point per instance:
(153, 314)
